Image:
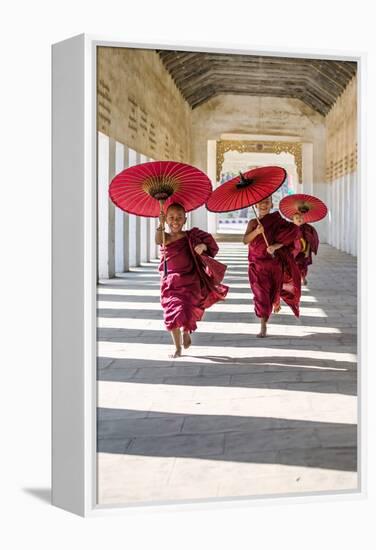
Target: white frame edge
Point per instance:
(74, 276)
(74, 268)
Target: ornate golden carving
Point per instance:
(293, 147)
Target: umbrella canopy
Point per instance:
(142, 188)
(246, 189)
(311, 208)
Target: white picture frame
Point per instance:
(74, 274)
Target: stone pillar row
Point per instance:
(124, 240)
(343, 213)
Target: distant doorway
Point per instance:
(235, 161)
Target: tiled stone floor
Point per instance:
(235, 416)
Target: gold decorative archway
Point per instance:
(293, 147)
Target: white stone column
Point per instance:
(212, 218)
(153, 224)
(332, 215)
(152, 251)
(106, 208)
(111, 211)
(347, 213)
(119, 215)
(143, 240)
(307, 169)
(335, 213)
(329, 215)
(343, 215)
(322, 191)
(126, 219)
(132, 243)
(339, 213)
(144, 228)
(138, 225)
(354, 201)
(103, 152)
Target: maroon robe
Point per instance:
(303, 254)
(192, 283)
(277, 276)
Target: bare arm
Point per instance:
(252, 231)
(159, 231)
(159, 236)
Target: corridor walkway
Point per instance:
(236, 415)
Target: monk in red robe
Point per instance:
(307, 244)
(272, 271)
(193, 279)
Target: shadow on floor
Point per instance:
(228, 438)
(267, 373)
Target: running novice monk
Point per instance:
(305, 245)
(189, 287)
(270, 267)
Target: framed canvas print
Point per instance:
(207, 281)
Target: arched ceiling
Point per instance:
(200, 76)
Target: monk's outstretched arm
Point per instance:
(206, 242)
(252, 231)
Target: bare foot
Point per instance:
(176, 354)
(262, 333)
(276, 308)
(186, 340)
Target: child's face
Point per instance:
(298, 219)
(175, 219)
(264, 206)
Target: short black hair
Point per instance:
(176, 205)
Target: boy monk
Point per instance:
(307, 243)
(272, 271)
(187, 289)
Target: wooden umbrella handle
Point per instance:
(162, 224)
(259, 223)
(161, 203)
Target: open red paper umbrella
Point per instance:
(247, 190)
(311, 208)
(145, 189)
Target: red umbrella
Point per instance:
(145, 189)
(311, 208)
(247, 190)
